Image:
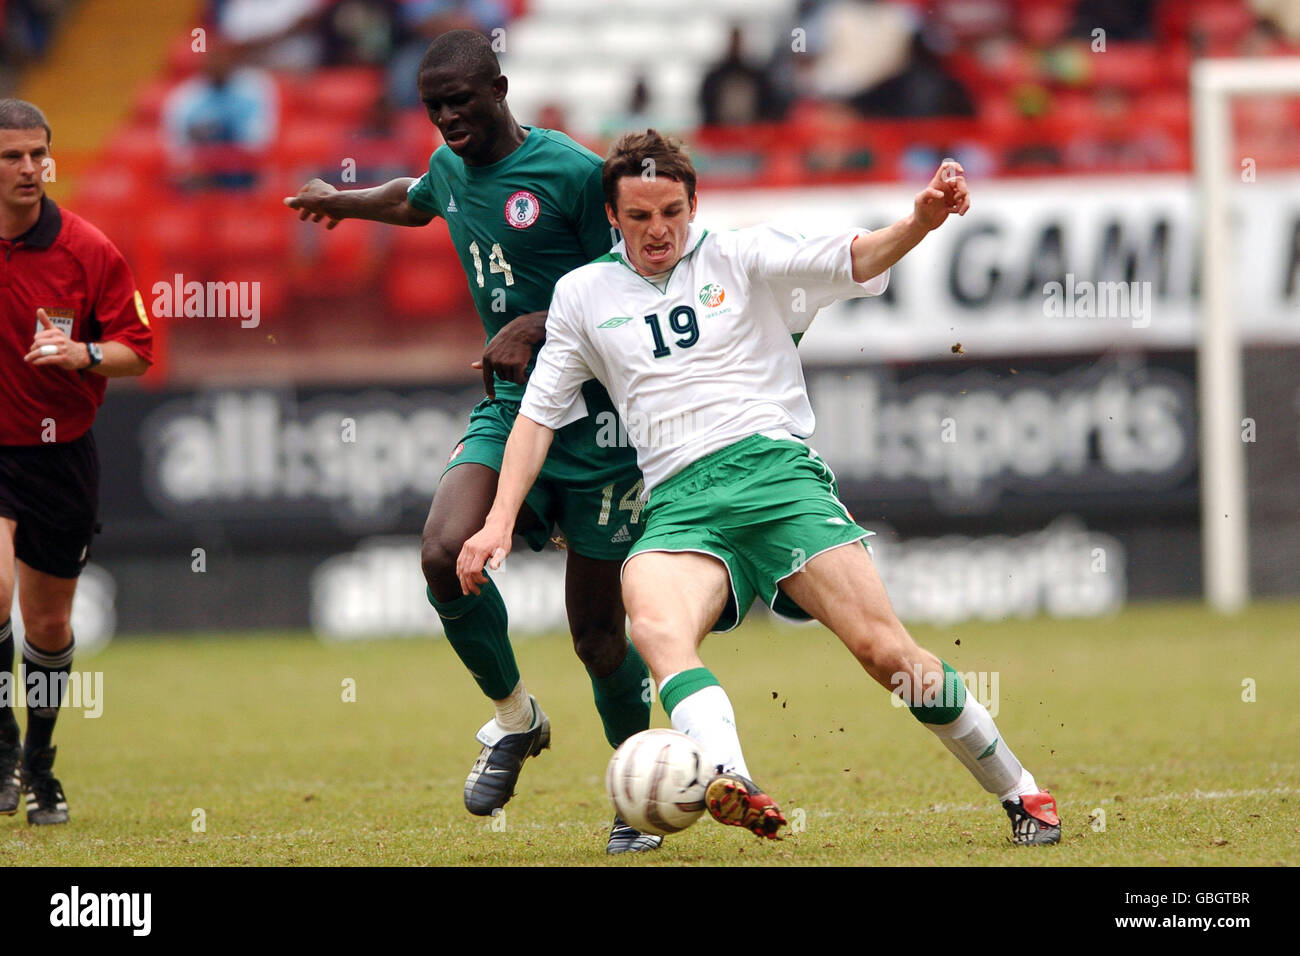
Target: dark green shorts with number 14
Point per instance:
(590, 486)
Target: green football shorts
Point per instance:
(590, 486)
(763, 507)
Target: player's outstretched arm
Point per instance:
(524, 455)
(880, 250)
(388, 203)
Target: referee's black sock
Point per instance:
(8, 686)
(44, 691)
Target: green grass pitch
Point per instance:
(1140, 717)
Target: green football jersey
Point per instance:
(519, 224)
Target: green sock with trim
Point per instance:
(476, 628)
(623, 698)
(700, 708)
(945, 707)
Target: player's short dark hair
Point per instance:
(628, 157)
(467, 53)
(19, 114)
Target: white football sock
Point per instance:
(707, 716)
(973, 739)
(515, 713)
(1024, 788)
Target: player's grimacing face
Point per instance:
(23, 153)
(654, 215)
(465, 110)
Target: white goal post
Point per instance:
(1224, 515)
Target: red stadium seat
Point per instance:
(338, 261)
(311, 142)
(1074, 108)
(422, 273)
(140, 148)
(1132, 66)
(108, 182)
(413, 126)
(149, 103)
(250, 230)
(116, 217)
(1222, 23)
(1015, 64)
(182, 58)
(413, 290)
(272, 290)
(1169, 109)
(177, 234)
(343, 95)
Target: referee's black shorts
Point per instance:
(52, 492)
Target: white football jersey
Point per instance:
(706, 362)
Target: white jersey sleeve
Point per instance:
(805, 274)
(554, 394)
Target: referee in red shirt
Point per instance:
(70, 318)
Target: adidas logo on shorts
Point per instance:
(621, 536)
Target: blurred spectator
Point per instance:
(421, 21)
(383, 145)
(734, 92)
(276, 34)
(380, 121)
(919, 160)
(1042, 26)
(859, 44)
(26, 28)
(1116, 141)
(552, 116)
(1282, 14)
(637, 116)
(439, 16)
(360, 32)
(969, 21)
(836, 146)
(1031, 100)
(227, 107)
(32, 23)
(789, 68)
(922, 89)
(1069, 64)
(1123, 20)
(1037, 157)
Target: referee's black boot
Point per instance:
(10, 778)
(44, 793)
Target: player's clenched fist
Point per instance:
(946, 193)
(311, 200)
(53, 347)
(488, 547)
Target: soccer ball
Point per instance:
(657, 780)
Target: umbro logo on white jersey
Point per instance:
(621, 536)
(451, 206)
(615, 322)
